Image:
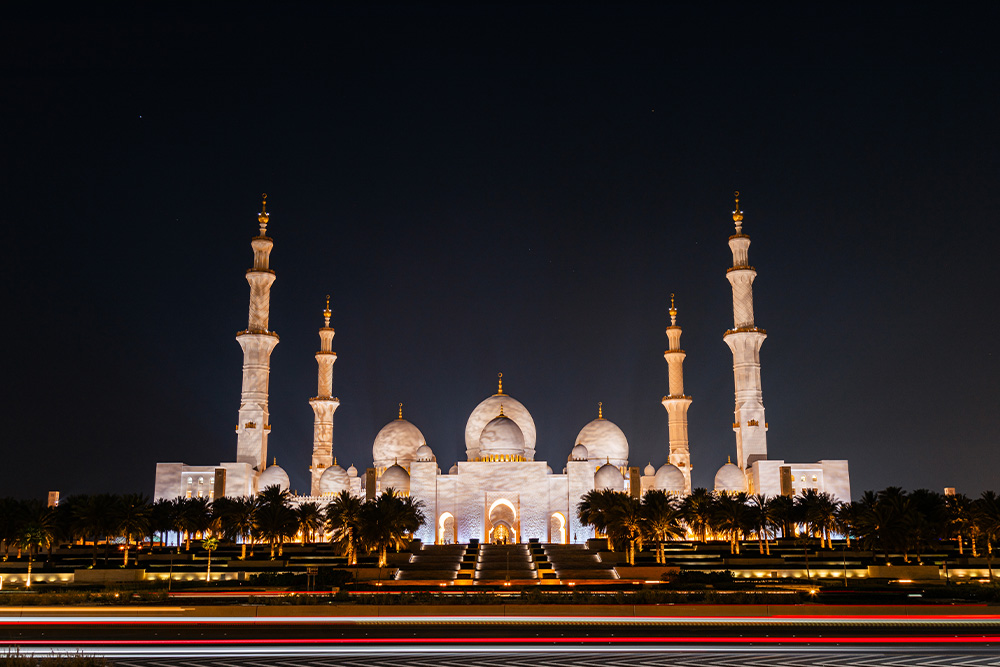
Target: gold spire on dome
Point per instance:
(501, 411)
(600, 410)
(673, 312)
(326, 313)
(275, 461)
(738, 214)
(263, 216)
(499, 384)
(729, 460)
(400, 411)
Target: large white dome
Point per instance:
(609, 476)
(501, 437)
(730, 479)
(396, 478)
(605, 442)
(274, 475)
(397, 442)
(334, 480)
(669, 478)
(487, 411)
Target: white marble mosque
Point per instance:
(500, 493)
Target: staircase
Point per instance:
(576, 561)
(504, 562)
(434, 562)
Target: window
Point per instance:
(814, 478)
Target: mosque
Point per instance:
(500, 493)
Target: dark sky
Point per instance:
(513, 188)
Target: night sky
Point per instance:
(513, 188)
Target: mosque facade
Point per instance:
(500, 493)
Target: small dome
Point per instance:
(730, 479)
(669, 478)
(397, 442)
(424, 453)
(548, 470)
(453, 470)
(274, 475)
(334, 480)
(489, 409)
(501, 437)
(352, 471)
(609, 477)
(396, 478)
(579, 453)
(649, 470)
(604, 442)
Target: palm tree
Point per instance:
(818, 510)
(343, 514)
(988, 520)
(238, 520)
(387, 522)
(594, 510)
(625, 522)
(11, 514)
(35, 531)
(162, 519)
(209, 544)
(194, 515)
(131, 518)
(958, 516)
(275, 522)
(697, 510)
(94, 515)
(784, 515)
(661, 519)
(761, 515)
(309, 518)
(731, 517)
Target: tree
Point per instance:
(987, 518)
(761, 516)
(162, 519)
(697, 510)
(343, 514)
(818, 510)
(388, 521)
(194, 515)
(958, 517)
(625, 522)
(661, 519)
(309, 518)
(594, 509)
(784, 515)
(238, 520)
(94, 515)
(209, 544)
(275, 520)
(131, 519)
(731, 517)
(35, 531)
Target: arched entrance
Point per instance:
(446, 529)
(502, 523)
(557, 528)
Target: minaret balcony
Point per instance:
(256, 332)
(730, 332)
(255, 270)
(741, 268)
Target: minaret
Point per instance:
(257, 343)
(323, 405)
(677, 403)
(745, 339)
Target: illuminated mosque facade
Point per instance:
(500, 493)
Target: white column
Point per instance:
(323, 405)
(257, 343)
(677, 403)
(745, 341)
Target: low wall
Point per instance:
(116, 576)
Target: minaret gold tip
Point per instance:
(326, 312)
(673, 312)
(499, 384)
(263, 216)
(738, 214)
(400, 411)
(600, 410)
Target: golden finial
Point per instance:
(326, 313)
(738, 214)
(729, 460)
(400, 410)
(334, 460)
(275, 461)
(673, 311)
(501, 411)
(600, 410)
(263, 216)
(499, 384)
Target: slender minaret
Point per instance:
(677, 403)
(257, 343)
(323, 405)
(745, 339)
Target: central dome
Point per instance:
(397, 442)
(501, 437)
(605, 442)
(488, 410)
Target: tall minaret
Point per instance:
(257, 343)
(323, 405)
(677, 403)
(745, 339)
